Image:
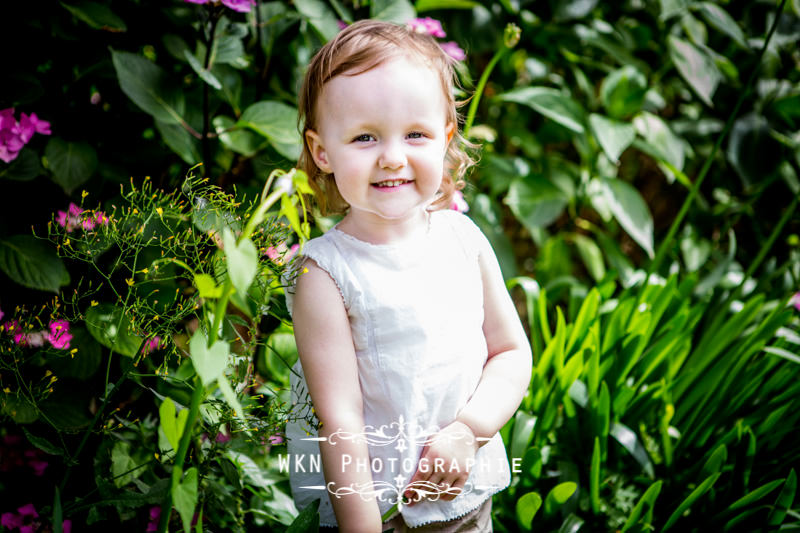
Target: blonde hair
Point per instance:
(358, 48)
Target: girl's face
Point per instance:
(383, 134)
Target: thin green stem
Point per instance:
(476, 97)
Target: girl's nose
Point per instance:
(392, 157)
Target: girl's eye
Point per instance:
(416, 135)
(363, 138)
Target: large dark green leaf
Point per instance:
(697, 68)
(32, 263)
(526, 508)
(551, 103)
(149, 87)
(180, 141)
(535, 201)
(428, 5)
(24, 168)
(242, 141)
(72, 163)
(623, 91)
(278, 123)
(96, 15)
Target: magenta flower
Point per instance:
(2, 314)
(458, 203)
(155, 514)
(342, 24)
(14, 135)
(196, 1)
(427, 25)
(242, 6)
(452, 49)
(60, 336)
(275, 440)
(794, 301)
(222, 438)
(74, 217)
(280, 255)
(10, 520)
(37, 465)
(151, 345)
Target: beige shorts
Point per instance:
(476, 521)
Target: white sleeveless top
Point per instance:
(416, 317)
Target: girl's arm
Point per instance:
(325, 345)
(507, 372)
(503, 384)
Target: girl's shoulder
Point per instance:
(460, 224)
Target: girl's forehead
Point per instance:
(391, 76)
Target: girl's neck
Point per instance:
(376, 230)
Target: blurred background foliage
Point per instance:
(638, 179)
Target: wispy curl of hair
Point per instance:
(358, 48)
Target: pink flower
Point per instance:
(796, 301)
(10, 145)
(427, 25)
(280, 255)
(242, 6)
(60, 336)
(195, 2)
(222, 438)
(2, 314)
(10, 520)
(28, 125)
(7, 120)
(458, 203)
(155, 514)
(74, 217)
(14, 135)
(452, 49)
(66, 526)
(151, 345)
(342, 24)
(275, 440)
(36, 339)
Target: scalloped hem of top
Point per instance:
(460, 515)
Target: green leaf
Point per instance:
(716, 461)
(307, 520)
(558, 496)
(149, 87)
(113, 329)
(527, 507)
(659, 141)
(784, 501)
(278, 123)
(696, 67)
(752, 149)
(670, 8)
(721, 20)
(594, 477)
(43, 444)
(535, 201)
(573, 9)
(204, 74)
(32, 263)
(19, 409)
(631, 211)
(524, 425)
(180, 141)
(551, 103)
(241, 260)
(171, 425)
(756, 494)
(240, 140)
(628, 439)
(124, 463)
(648, 499)
(185, 497)
(429, 5)
(207, 286)
(25, 167)
(614, 136)
(623, 91)
(704, 487)
(96, 15)
(591, 255)
(230, 397)
(399, 11)
(71, 163)
(320, 16)
(209, 362)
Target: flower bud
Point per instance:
(511, 35)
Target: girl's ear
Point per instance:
(450, 130)
(318, 153)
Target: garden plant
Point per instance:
(638, 179)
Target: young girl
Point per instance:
(410, 347)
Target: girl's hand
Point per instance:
(445, 463)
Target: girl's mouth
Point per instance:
(390, 183)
